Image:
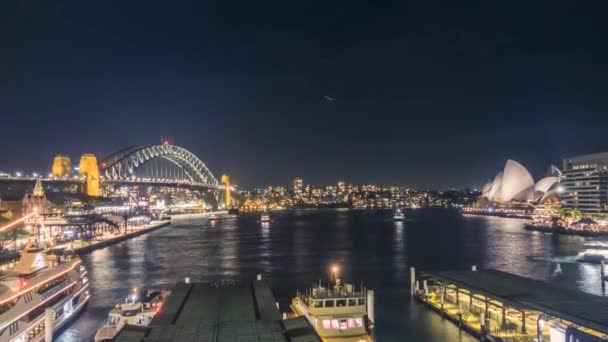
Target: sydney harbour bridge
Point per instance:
(161, 164)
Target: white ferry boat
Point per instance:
(265, 217)
(40, 295)
(339, 313)
(138, 309)
(398, 215)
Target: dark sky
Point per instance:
(427, 93)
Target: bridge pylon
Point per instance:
(62, 166)
(225, 180)
(88, 168)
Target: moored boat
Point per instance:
(41, 294)
(339, 312)
(138, 309)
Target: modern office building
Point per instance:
(585, 183)
(297, 188)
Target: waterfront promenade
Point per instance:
(80, 247)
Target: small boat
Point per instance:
(398, 215)
(339, 312)
(265, 217)
(138, 309)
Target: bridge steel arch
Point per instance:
(122, 164)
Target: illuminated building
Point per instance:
(585, 183)
(515, 183)
(297, 188)
(62, 166)
(88, 168)
(36, 202)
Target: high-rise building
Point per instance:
(585, 183)
(297, 188)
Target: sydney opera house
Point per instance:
(515, 184)
(513, 192)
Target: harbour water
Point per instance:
(298, 247)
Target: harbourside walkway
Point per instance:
(565, 231)
(82, 247)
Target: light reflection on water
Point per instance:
(296, 249)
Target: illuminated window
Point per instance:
(326, 324)
(343, 324)
(358, 322)
(335, 324)
(351, 323)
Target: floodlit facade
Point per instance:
(585, 183)
(515, 183)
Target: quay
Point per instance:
(221, 312)
(564, 230)
(83, 247)
(498, 306)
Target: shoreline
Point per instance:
(520, 217)
(186, 216)
(95, 245)
(562, 231)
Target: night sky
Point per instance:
(425, 93)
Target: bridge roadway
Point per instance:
(178, 183)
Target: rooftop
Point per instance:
(578, 307)
(235, 313)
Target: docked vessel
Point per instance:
(265, 217)
(138, 309)
(398, 215)
(339, 312)
(41, 294)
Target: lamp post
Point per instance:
(335, 272)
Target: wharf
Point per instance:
(223, 312)
(564, 230)
(89, 246)
(498, 306)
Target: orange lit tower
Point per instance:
(88, 168)
(226, 182)
(62, 166)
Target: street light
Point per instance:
(335, 269)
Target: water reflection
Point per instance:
(296, 249)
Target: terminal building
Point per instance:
(499, 306)
(585, 183)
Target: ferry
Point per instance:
(338, 313)
(398, 215)
(138, 309)
(265, 217)
(41, 294)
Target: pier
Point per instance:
(498, 306)
(220, 312)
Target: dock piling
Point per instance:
(412, 280)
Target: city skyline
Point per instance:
(399, 93)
